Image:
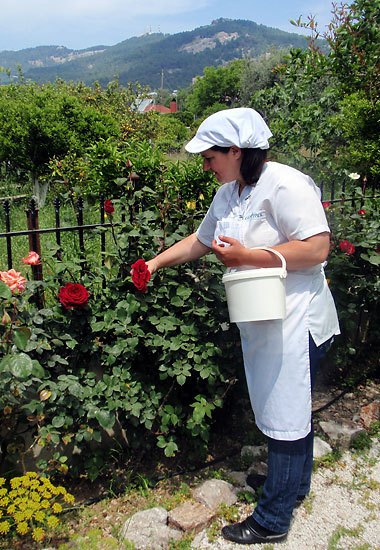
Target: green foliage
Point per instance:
(355, 282)
(217, 86)
(156, 366)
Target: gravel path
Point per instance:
(341, 513)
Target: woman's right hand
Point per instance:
(152, 266)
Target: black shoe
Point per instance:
(250, 532)
(299, 500)
(255, 480)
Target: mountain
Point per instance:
(152, 58)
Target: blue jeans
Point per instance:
(289, 467)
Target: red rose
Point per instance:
(326, 205)
(141, 275)
(347, 247)
(108, 207)
(73, 296)
(362, 212)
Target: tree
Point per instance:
(38, 123)
(217, 85)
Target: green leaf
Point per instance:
(5, 291)
(21, 365)
(37, 371)
(58, 421)
(171, 448)
(21, 336)
(105, 419)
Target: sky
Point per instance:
(80, 24)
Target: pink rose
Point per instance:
(73, 296)
(13, 279)
(32, 259)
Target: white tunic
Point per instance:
(283, 206)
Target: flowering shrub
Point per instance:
(154, 366)
(30, 505)
(353, 269)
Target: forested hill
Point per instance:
(178, 57)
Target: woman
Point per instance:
(268, 204)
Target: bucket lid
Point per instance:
(254, 274)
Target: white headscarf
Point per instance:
(243, 127)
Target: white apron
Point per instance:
(285, 205)
(276, 355)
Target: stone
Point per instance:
(213, 492)
(149, 529)
(250, 452)
(238, 477)
(191, 517)
(341, 432)
(370, 413)
(259, 468)
(321, 448)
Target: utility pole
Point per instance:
(162, 79)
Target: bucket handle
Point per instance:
(283, 261)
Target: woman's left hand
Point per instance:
(232, 255)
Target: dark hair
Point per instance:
(251, 164)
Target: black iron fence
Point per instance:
(33, 231)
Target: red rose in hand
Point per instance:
(108, 207)
(141, 275)
(347, 247)
(73, 296)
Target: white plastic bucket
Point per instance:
(256, 294)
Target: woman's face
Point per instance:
(226, 166)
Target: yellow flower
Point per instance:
(201, 197)
(11, 509)
(31, 474)
(190, 205)
(15, 482)
(13, 493)
(1, 513)
(4, 501)
(3, 492)
(19, 517)
(28, 513)
(2, 481)
(53, 521)
(35, 496)
(4, 527)
(57, 508)
(22, 528)
(69, 498)
(39, 516)
(34, 484)
(38, 534)
(45, 503)
(46, 494)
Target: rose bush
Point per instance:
(353, 269)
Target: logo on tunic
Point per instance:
(255, 215)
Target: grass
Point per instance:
(46, 220)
